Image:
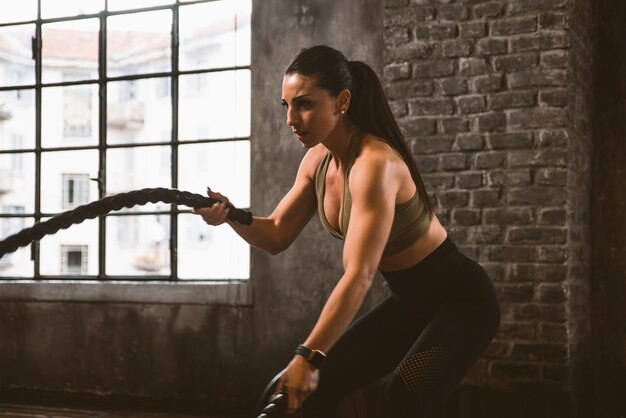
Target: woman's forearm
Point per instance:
(340, 308)
(261, 234)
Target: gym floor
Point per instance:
(10, 410)
(41, 404)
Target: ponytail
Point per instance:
(369, 108)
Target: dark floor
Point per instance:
(9, 410)
(42, 404)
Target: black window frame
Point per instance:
(103, 79)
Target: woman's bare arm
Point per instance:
(276, 232)
(373, 186)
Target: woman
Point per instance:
(360, 175)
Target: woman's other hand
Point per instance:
(216, 214)
(300, 379)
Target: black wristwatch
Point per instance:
(315, 357)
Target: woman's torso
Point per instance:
(424, 235)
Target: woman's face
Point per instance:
(312, 113)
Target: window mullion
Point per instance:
(174, 147)
(35, 254)
(102, 137)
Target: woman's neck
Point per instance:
(338, 143)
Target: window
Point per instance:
(75, 190)
(108, 96)
(74, 259)
(77, 112)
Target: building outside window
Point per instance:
(75, 190)
(74, 259)
(104, 101)
(77, 112)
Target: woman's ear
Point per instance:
(343, 100)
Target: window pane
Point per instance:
(18, 263)
(137, 168)
(19, 11)
(223, 166)
(61, 167)
(138, 245)
(17, 182)
(56, 8)
(214, 34)
(206, 252)
(17, 67)
(214, 105)
(139, 111)
(244, 32)
(136, 4)
(69, 116)
(139, 43)
(71, 251)
(17, 119)
(70, 51)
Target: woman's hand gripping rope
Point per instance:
(216, 214)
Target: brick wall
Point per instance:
(494, 98)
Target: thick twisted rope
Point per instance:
(113, 203)
(271, 405)
(276, 407)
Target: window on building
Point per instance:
(75, 190)
(74, 259)
(77, 112)
(110, 96)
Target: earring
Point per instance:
(343, 111)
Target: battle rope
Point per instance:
(277, 406)
(113, 203)
(271, 405)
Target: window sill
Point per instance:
(188, 293)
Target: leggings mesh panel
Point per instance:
(423, 369)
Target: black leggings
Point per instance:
(440, 317)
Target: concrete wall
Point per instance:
(208, 354)
(291, 286)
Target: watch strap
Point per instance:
(315, 357)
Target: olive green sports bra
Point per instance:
(409, 223)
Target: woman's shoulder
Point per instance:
(376, 167)
(376, 149)
(315, 155)
(312, 159)
(377, 156)
(374, 155)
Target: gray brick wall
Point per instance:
(494, 97)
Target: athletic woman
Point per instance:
(359, 174)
